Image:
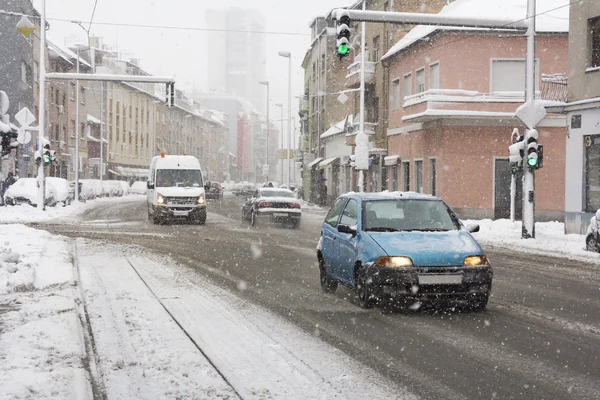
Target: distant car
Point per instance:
(215, 192)
(401, 247)
(274, 204)
(63, 190)
(592, 237)
(138, 187)
(25, 191)
(244, 190)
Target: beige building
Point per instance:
(582, 169)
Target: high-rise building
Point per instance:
(237, 54)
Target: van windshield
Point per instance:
(178, 178)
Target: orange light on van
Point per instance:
(162, 155)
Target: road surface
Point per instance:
(539, 338)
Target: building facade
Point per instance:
(582, 169)
(450, 122)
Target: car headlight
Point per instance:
(160, 199)
(200, 200)
(475, 261)
(400, 261)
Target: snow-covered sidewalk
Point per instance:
(550, 239)
(42, 350)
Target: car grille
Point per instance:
(181, 200)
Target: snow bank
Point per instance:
(41, 345)
(550, 239)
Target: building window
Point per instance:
(592, 173)
(82, 133)
(406, 176)
(81, 95)
(394, 178)
(594, 29)
(419, 176)
(396, 94)
(72, 92)
(433, 176)
(509, 75)
(434, 76)
(407, 85)
(420, 81)
(376, 48)
(24, 72)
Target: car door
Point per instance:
(329, 235)
(346, 243)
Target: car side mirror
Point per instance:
(346, 229)
(150, 185)
(473, 228)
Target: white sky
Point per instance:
(182, 53)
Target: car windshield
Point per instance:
(178, 178)
(276, 193)
(408, 215)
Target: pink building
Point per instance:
(453, 96)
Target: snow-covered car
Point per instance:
(274, 204)
(138, 187)
(592, 237)
(25, 191)
(91, 188)
(63, 190)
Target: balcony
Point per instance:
(353, 75)
(458, 104)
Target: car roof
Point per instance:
(368, 196)
(271, 189)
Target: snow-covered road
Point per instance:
(163, 332)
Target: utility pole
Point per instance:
(361, 124)
(77, 132)
(42, 107)
(528, 224)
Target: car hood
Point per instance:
(429, 249)
(180, 191)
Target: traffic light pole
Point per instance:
(41, 203)
(528, 224)
(361, 126)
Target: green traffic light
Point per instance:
(46, 160)
(343, 49)
(532, 162)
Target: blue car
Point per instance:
(401, 247)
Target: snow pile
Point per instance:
(41, 346)
(550, 239)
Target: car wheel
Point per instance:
(328, 284)
(363, 292)
(253, 219)
(591, 244)
(479, 302)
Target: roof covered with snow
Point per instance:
(552, 16)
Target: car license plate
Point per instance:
(454, 279)
(181, 213)
(280, 215)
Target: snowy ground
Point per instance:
(550, 239)
(41, 344)
(25, 213)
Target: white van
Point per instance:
(176, 189)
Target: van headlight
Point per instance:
(200, 200)
(160, 199)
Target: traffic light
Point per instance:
(38, 157)
(170, 100)
(517, 151)
(532, 149)
(343, 34)
(47, 155)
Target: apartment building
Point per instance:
(450, 121)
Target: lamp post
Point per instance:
(42, 106)
(266, 83)
(280, 105)
(288, 55)
(77, 133)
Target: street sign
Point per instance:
(23, 137)
(25, 117)
(531, 113)
(342, 98)
(3, 102)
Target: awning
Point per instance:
(132, 172)
(391, 160)
(314, 162)
(325, 163)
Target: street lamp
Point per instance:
(288, 55)
(77, 133)
(266, 83)
(280, 105)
